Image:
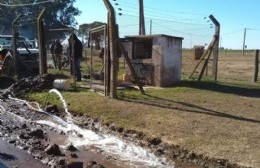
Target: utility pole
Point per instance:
(244, 42)
(141, 18)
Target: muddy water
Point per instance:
(14, 154)
(127, 152)
(10, 156)
(103, 148)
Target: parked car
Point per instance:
(28, 60)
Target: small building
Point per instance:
(156, 58)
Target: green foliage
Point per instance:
(97, 37)
(85, 28)
(59, 14)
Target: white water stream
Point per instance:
(127, 152)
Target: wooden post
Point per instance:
(216, 46)
(112, 29)
(256, 67)
(105, 63)
(42, 69)
(108, 60)
(212, 44)
(15, 52)
(91, 59)
(130, 67)
(73, 60)
(204, 66)
(44, 64)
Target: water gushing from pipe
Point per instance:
(127, 152)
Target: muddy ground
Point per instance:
(41, 145)
(28, 144)
(25, 143)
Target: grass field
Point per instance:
(219, 120)
(233, 66)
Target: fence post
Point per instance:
(256, 67)
(216, 46)
(113, 34)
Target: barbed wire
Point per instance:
(136, 5)
(193, 34)
(196, 29)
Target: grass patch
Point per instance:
(220, 120)
(213, 119)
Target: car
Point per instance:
(28, 54)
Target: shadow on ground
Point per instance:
(223, 88)
(6, 157)
(192, 108)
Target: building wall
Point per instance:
(157, 61)
(164, 68)
(170, 62)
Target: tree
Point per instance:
(59, 14)
(84, 31)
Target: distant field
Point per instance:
(233, 66)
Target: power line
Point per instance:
(233, 32)
(178, 30)
(255, 29)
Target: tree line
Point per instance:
(59, 14)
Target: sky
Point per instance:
(239, 19)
